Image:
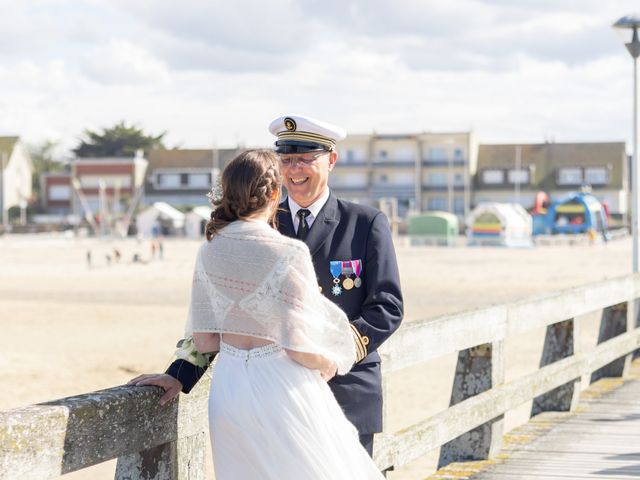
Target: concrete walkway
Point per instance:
(600, 441)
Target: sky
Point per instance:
(215, 73)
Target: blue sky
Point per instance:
(215, 73)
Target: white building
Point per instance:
(16, 170)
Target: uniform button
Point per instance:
(365, 340)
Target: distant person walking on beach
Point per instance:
(88, 258)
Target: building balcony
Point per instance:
(442, 188)
(432, 162)
(390, 190)
(393, 163)
(351, 163)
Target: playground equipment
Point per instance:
(499, 224)
(434, 228)
(578, 212)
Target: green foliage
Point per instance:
(121, 140)
(43, 161)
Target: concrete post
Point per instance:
(182, 459)
(479, 369)
(559, 343)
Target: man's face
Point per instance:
(306, 175)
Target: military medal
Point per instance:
(335, 267)
(348, 283)
(357, 269)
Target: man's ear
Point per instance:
(333, 158)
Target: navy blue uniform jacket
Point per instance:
(346, 231)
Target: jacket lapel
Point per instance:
(323, 226)
(285, 223)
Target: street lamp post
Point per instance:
(631, 23)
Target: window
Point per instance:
(404, 154)
(437, 179)
(199, 180)
(596, 175)
(355, 180)
(382, 155)
(59, 192)
(350, 156)
(383, 178)
(404, 179)
(457, 153)
(458, 180)
(493, 177)
(436, 153)
(519, 176)
(169, 180)
(569, 176)
(458, 205)
(437, 203)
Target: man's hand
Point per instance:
(329, 372)
(172, 386)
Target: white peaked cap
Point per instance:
(299, 128)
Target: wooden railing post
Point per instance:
(613, 323)
(559, 342)
(478, 369)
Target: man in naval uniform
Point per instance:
(354, 260)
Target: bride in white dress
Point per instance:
(255, 299)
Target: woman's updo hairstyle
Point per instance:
(248, 184)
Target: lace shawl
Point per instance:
(251, 280)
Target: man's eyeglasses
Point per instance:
(300, 158)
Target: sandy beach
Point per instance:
(68, 328)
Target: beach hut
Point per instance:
(160, 219)
(433, 228)
(195, 222)
(499, 224)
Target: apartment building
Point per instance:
(424, 171)
(516, 173)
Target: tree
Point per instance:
(42, 158)
(121, 140)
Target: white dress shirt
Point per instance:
(314, 208)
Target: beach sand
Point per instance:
(70, 329)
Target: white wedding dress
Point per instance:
(270, 418)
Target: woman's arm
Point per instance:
(206, 342)
(314, 361)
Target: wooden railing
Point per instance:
(152, 442)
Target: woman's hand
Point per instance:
(329, 371)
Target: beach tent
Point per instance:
(433, 228)
(195, 221)
(160, 219)
(499, 224)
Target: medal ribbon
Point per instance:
(335, 267)
(357, 267)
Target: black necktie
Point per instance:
(303, 226)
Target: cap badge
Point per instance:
(290, 124)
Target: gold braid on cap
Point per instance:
(308, 137)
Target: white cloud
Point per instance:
(219, 71)
(121, 62)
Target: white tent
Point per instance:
(502, 224)
(195, 222)
(160, 219)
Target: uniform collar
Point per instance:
(314, 208)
